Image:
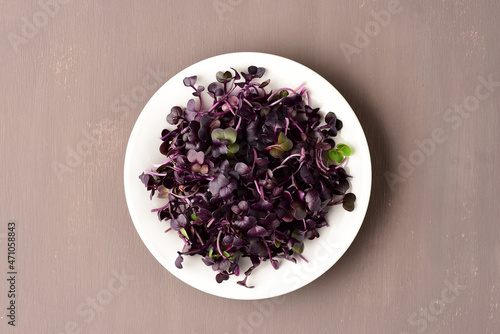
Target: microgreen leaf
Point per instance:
(282, 138)
(299, 248)
(230, 135)
(184, 233)
(344, 149)
(217, 134)
(335, 155)
(287, 145)
(283, 93)
(233, 148)
(348, 202)
(194, 217)
(276, 152)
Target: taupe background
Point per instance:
(440, 224)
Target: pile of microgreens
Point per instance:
(251, 176)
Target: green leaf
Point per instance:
(299, 248)
(227, 75)
(233, 148)
(276, 152)
(277, 243)
(226, 254)
(344, 149)
(348, 206)
(230, 135)
(220, 76)
(296, 235)
(282, 138)
(335, 155)
(184, 233)
(195, 218)
(348, 202)
(287, 145)
(210, 252)
(283, 93)
(218, 134)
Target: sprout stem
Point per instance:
(184, 196)
(230, 108)
(303, 258)
(300, 86)
(218, 244)
(267, 247)
(255, 156)
(150, 172)
(165, 162)
(298, 127)
(238, 126)
(258, 189)
(279, 90)
(222, 99)
(159, 209)
(289, 157)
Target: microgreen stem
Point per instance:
(152, 173)
(184, 196)
(319, 162)
(255, 157)
(275, 102)
(222, 99)
(279, 90)
(165, 162)
(298, 127)
(300, 255)
(342, 163)
(301, 155)
(230, 108)
(300, 86)
(198, 236)
(258, 189)
(159, 209)
(272, 146)
(279, 232)
(238, 125)
(218, 244)
(247, 102)
(268, 250)
(276, 168)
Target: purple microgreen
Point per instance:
(253, 176)
(257, 231)
(348, 202)
(190, 81)
(194, 156)
(178, 261)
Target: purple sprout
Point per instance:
(253, 176)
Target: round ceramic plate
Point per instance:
(321, 253)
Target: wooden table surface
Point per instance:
(422, 77)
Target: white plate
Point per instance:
(322, 253)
